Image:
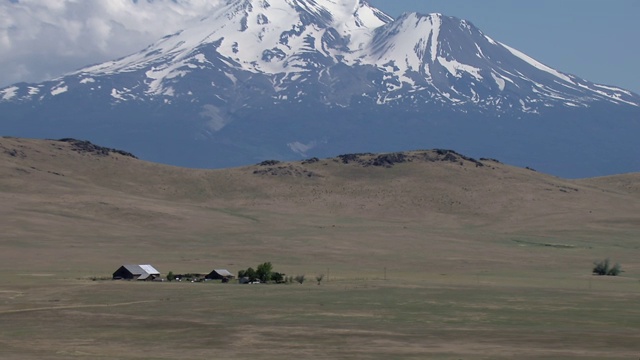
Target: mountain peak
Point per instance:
(298, 77)
(447, 59)
(262, 36)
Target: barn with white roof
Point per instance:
(136, 272)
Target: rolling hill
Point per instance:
(77, 202)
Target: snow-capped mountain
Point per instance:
(290, 78)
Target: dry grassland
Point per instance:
(433, 258)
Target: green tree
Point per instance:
(170, 276)
(251, 274)
(278, 278)
(263, 272)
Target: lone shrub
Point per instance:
(299, 279)
(319, 278)
(604, 268)
(170, 276)
(615, 270)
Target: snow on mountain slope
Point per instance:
(458, 62)
(267, 36)
(300, 44)
(290, 79)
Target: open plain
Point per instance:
(426, 255)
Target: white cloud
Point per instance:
(40, 39)
(302, 149)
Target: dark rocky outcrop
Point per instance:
(83, 146)
(269, 163)
(391, 159)
(310, 161)
(349, 158)
(388, 160)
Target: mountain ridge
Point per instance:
(438, 183)
(331, 68)
(429, 59)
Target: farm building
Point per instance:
(136, 272)
(220, 274)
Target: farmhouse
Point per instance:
(220, 274)
(136, 272)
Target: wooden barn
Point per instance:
(136, 272)
(220, 274)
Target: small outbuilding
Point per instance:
(220, 274)
(136, 272)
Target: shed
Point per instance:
(220, 274)
(136, 272)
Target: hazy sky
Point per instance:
(594, 39)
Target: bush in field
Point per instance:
(615, 270)
(604, 268)
(319, 278)
(170, 276)
(299, 279)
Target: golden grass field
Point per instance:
(435, 258)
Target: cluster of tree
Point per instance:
(264, 273)
(604, 268)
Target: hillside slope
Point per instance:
(90, 208)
